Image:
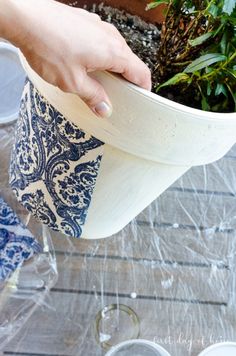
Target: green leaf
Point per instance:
(205, 105)
(232, 72)
(229, 6)
(209, 90)
(213, 10)
(219, 28)
(233, 95)
(199, 40)
(204, 61)
(221, 89)
(232, 20)
(179, 77)
(223, 43)
(156, 3)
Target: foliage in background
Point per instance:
(198, 51)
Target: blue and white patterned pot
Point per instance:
(54, 165)
(89, 177)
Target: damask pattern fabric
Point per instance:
(54, 165)
(17, 244)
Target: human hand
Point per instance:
(64, 45)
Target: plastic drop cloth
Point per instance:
(28, 286)
(174, 266)
(11, 84)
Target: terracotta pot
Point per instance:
(136, 7)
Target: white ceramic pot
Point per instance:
(220, 349)
(138, 347)
(149, 142)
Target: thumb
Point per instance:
(93, 94)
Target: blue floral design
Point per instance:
(6, 215)
(54, 165)
(16, 243)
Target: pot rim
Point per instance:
(200, 114)
(138, 341)
(119, 134)
(217, 346)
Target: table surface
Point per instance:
(174, 265)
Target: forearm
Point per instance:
(10, 21)
(19, 20)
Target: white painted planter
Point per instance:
(149, 141)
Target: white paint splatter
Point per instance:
(167, 283)
(214, 268)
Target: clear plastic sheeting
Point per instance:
(11, 88)
(170, 274)
(12, 78)
(29, 285)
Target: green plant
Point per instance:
(198, 51)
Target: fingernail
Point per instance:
(103, 109)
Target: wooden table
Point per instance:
(174, 265)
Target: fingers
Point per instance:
(94, 95)
(133, 69)
(125, 62)
(137, 71)
(80, 83)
